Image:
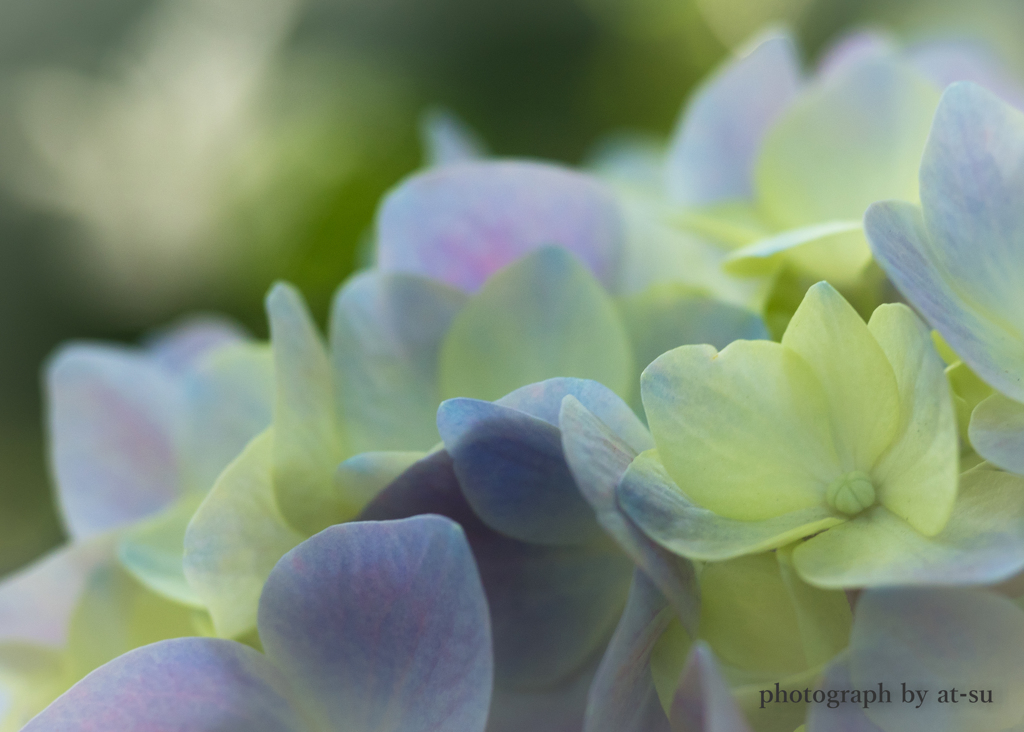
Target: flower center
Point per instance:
(851, 493)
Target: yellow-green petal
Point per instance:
(917, 476)
(858, 381)
(744, 432)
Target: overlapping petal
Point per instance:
(461, 223)
(997, 432)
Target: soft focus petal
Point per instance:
(360, 478)
(184, 685)
(997, 432)
(383, 625)
(386, 334)
(850, 140)
(36, 602)
(541, 317)
(703, 702)
(843, 717)
(622, 697)
(307, 445)
(462, 223)
(598, 458)
(858, 380)
(918, 473)
(854, 48)
(940, 639)
(656, 505)
(448, 140)
(844, 255)
(717, 139)
(229, 397)
(971, 178)
(513, 473)
(982, 543)
(235, 538)
(115, 418)
(552, 608)
(30, 678)
(993, 349)
(744, 432)
(823, 616)
(557, 708)
(182, 346)
(950, 61)
(153, 551)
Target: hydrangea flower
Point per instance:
(843, 433)
(930, 640)
(957, 256)
(365, 627)
(137, 437)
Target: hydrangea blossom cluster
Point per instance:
(584, 450)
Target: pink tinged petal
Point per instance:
(622, 697)
(37, 602)
(383, 625)
(947, 62)
(598, 458)
(997, 432)
(182, 346)
(719, 135)
(854, 48)
(115, 421)
(386, 334)
(901, 244)
(703, 702)
(181, 685)
(462, 223)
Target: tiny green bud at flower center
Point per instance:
(851, 493)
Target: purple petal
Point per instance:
(703, 702)
(841, 718)
(513, 473)
(462, 223)
(623, 697)
(711, 158)
(598, 459)
(383, 625)
(182, 685)
(552, 608)
(115, 418)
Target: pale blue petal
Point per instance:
(115, 420)
(622, 697)
(462, 223)
(182, 346)
(949, 61)
(901, 244)
(382, 626)
(386, 334)
(598, 458)
(997, 432)
(719, 135)
(854, 48)
(182, 685)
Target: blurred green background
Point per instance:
(159, 157)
